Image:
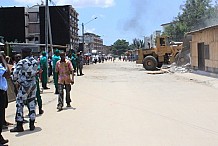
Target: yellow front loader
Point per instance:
(164, 53)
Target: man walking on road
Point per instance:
(44, 67)
(38, 96)
(24, 77)
(64, 68)
(55, 58)
(79, 64)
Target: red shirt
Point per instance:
(64, 69)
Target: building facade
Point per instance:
(92, 42)
(204, 49)
(32, 25)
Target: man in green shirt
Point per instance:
(44, 67)
(55, 58)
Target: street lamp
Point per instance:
(83, 31)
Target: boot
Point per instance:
(32, 127)
(56, 91)
(40, 110)
(18, 128)
(3, 141)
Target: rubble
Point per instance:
(180, 69)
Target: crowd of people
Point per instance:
(26, 73)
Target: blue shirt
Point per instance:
(3, 81)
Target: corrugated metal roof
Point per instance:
(202, 29)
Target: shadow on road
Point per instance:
(26, 132)
(67, 108)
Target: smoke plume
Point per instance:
(136, 18)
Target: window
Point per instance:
(162, 42)
(206, 52)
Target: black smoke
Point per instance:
(136, 17)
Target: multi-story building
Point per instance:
(92, 42)
(32, 25)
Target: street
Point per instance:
(118, 104)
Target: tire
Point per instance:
(182, 59)
(150, 63)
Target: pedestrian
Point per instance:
(64, 69)
(79, 64)
(4, 72)
(8, 79)
(49, 66)
(44, 67)
(24, 79)
(38, 96)
(55, 58)
(73, 60)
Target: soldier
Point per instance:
(64, 68)
(55, 58)
(25, 80)
(44, 67)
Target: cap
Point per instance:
(57, 51)
(27, 50)
(43, 53)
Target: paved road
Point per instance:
(118, 104)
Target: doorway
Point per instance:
(201, 56)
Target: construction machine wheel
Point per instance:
(150, 63)
(182, 59)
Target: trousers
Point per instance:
(2, 108)
(38, 96)
(26, 96)
(61, 94)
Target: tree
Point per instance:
(194, 15)
(137, 43)
(120, 47)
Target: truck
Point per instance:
(164, 52)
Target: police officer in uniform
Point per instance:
(25, 80)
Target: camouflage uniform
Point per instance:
(24, 74)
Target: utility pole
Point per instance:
(46, 32)
(46, 26)
(49, 28)
(83, 36)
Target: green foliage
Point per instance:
(120, 47)
(195, 14)
(137, 43)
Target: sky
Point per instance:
(116, 19)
